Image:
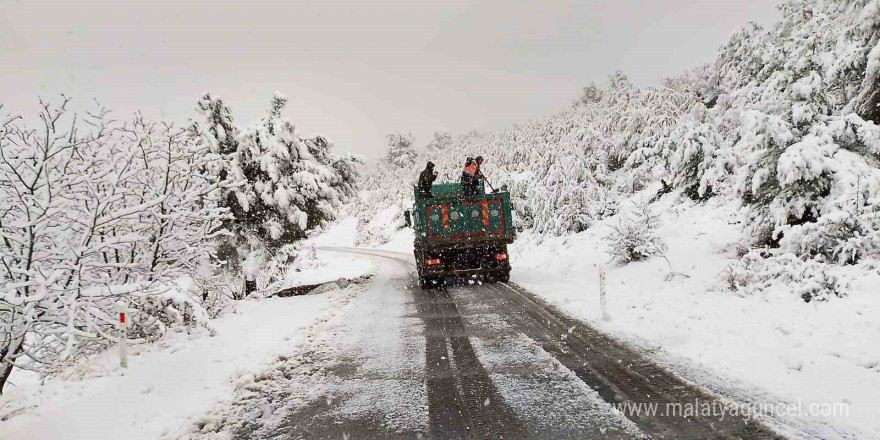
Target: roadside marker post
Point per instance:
(122, 308)
(602, 302)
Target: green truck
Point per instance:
(462, 236)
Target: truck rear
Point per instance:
(462, 236)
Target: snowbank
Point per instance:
(340, 234)
(322, 267)
(761, 348)
(360, 333)
(175, 381)
(167, 385)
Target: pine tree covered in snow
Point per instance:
(591, 94)
(289, 184)
(697, 163)
(440, 141)
(635, 238)
(401, 149)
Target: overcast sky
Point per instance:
(353, 70)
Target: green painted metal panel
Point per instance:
(464, 215)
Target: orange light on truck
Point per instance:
(432, 262)
(500, 256)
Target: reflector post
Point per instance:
(122, 309)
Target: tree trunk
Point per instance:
(250, 286)
(869, 102)
(15, 347)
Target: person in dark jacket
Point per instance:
(479, 174)
(426, 180)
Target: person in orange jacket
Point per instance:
(471, 175)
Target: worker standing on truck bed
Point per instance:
(471, 176)
(478, 175)
(426, 180)
(467, 176)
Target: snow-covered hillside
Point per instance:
(780, 124)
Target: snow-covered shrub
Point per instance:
(796, 182)
(794, 88)
(275, 270)
(217, 291)
(634, 237)
(377, 230)
(159, 308)
(662, 114)
(759, 271)
(281, 269)
(840, 237)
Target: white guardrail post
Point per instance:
(602, 302)
(122, 308)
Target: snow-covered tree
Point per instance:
(93, 212)
(440, 141)
(288, 184)
(591, 94)
(401, 149)
(217, 127)
(802, 149)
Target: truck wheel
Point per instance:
(497, 277)
(430, 282)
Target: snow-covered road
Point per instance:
(463, 361)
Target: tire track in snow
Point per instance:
(462, 400)
(619, 374)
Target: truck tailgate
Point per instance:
(477, 218)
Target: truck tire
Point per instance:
(431, 282)
(498, 277)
